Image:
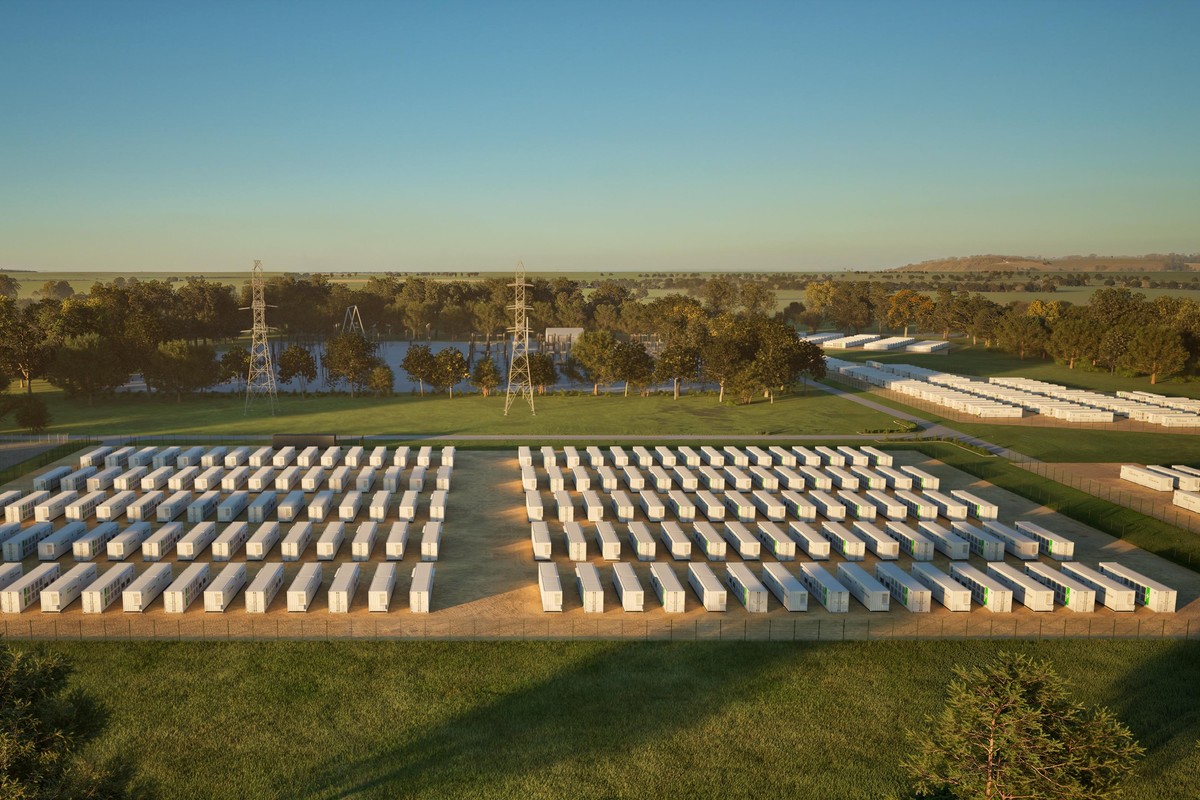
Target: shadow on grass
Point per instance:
(1160, 702)
(554, 738)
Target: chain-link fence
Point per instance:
(823, 628)
(1160, 509)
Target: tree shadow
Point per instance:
(608, 705)
(1159, 700)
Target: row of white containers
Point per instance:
(225, 543)
(92, 479)
(1163, 479)
(1038, 588)
(868, 341)
(181, 457)
(56, 591)
(41, 506)
(1024, 540)
(1002, 397)
(748, 504)
(709, 456)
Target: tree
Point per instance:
(906, 307)
(235, 365)
(207, 310)
(1049, 311)
(180, 367)
(1021, 334)
(819, 296)
(83, 366)
(756, 299)
(31, 413)
(382, 380)
(1109, 307)
(985, 316)
(683, 326)
(9, 286)
(592, 355)
(296, 362)
(449, 368)
(350, 357)
(631, 364)
(485, 376)
(719, 295)
(1073, 339)
(852, 308)
(541, 371)
(1009, 730)
(1157, 351)
(46, 727)
(727, 351)
(1114, 344)
(419, 365)
(56, 290)
(24, 348)
(780, 358)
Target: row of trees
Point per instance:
(90, 344)
(722, 332)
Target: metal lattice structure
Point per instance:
(520, 379)
(352, 322)
(261, 377)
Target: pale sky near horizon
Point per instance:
(593, 136)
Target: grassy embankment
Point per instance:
(596, 719)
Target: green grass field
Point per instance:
(595, 719)
(811, 413)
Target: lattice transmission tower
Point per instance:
(352, 322)
(520, 379)
(261, 377)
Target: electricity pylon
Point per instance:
(352, 322)
(261, 377)
(520, 379)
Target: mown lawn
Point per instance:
(813, 412)
(595, 719)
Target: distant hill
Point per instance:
(1148, 263)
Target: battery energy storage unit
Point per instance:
(667, 588)
(904, 588)
(383, 583)
(783, 584)
(264, 588)
(550, 587)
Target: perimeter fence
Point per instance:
(823, 629)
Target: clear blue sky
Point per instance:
(608, 135)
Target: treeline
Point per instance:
(728, 341)
(724, 332)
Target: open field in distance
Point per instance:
(31, 282)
